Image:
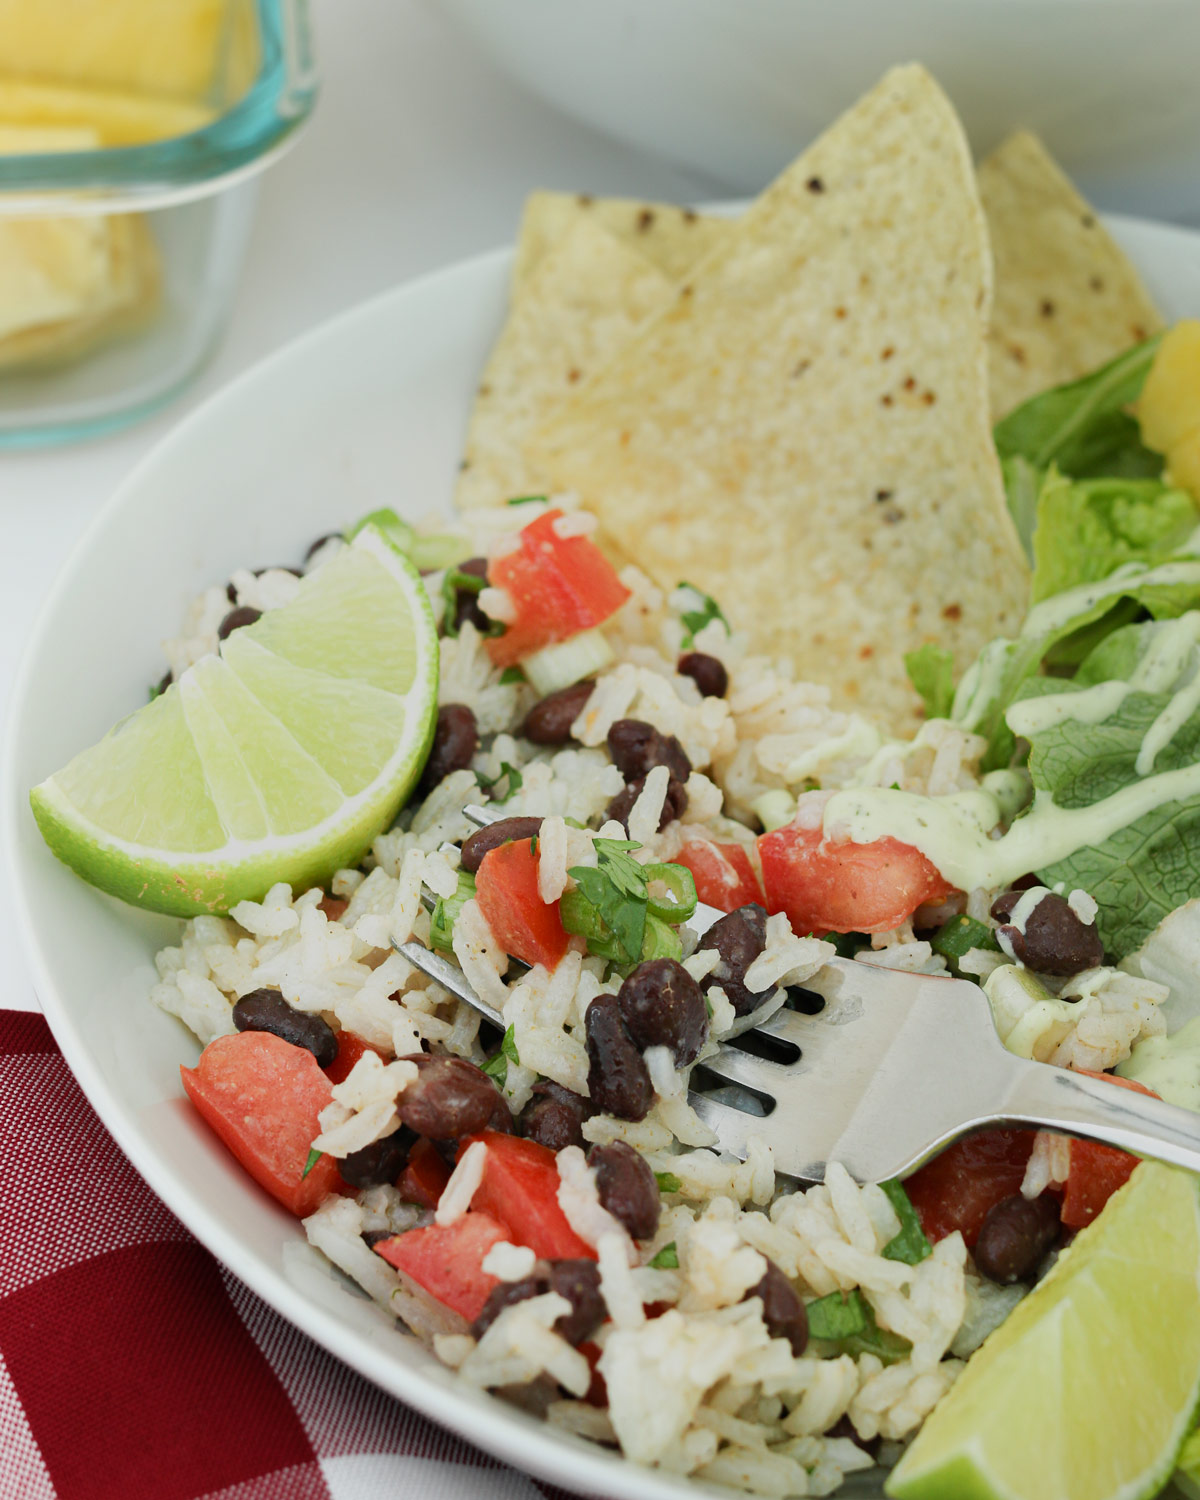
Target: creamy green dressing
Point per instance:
(1060, 609)
(958, 834)
(955, 832)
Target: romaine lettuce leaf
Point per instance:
(931, 671)
(1088, 528)
(1065, 630)
(1085, 427)
(1152, 866)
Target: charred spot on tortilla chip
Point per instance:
(952, 612)
(644, 220)
(815, 185)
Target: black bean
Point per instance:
(549, 721)
(455, 741)
(328, 536)
(674, 803)
(579, 1282)
(627, 1186)
(1016, 1234)
(235, 619)
(637, 747)
(554, 1116)
(375, 1237)
(492, 835)
(707, 672)
(450, 1098)
(267, 1010)
(783, 1309)
(466, 601)
(1055, 940)
(382, 1161)
(739, 938)
(618, 1080)
(662, 1006)
(576, 1280)
(164, 682)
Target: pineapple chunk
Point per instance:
(139, 46)
(1183, 464)
(117, 119)
(1169, 407)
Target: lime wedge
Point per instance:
(1088, 1390)
(279, 759)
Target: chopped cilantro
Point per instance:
(441, 923)
(314, 1156)
(455, 582)
(695, 620)
(667, 1182)
(667, 1258)
(511, 675)
(509, 776)
(846, 1319)
(496, 1067)
(526, 500)
(910, 1245)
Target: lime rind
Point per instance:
(1090, 1388)
(168, 811)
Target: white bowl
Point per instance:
(735, 88)
(367, 411)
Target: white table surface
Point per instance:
(419, 154)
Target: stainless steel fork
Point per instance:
(879, 1069)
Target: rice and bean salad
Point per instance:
(713, 1319)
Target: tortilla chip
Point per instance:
(673, 239)
(1067, 299)
(580, 304)
(804, 433)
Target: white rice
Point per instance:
(701, 1388)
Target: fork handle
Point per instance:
(1072, 1104)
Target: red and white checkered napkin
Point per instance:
(134, 1367)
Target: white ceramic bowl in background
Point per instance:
(368, 411)
(735, 88)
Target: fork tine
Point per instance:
(449, 976)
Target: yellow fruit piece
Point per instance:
(1169, 406)
(119, 119)
(1183, 464)
(30, 140)
(170, 47)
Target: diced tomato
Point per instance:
(520, 1188)
(559, 585)
(425, 1177)
(447, 1260)
(724, 875)
(262, 1097)
(827, 886)
(956, 1189)
(1096, 1172)
(350, 1049)
(1094, 1175)
(506, 887)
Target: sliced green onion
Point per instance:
(667, 1182)
(431, 553)
(682, 886)
(959, 936)
(660, 941)
(511, 674)
(314, 1156)
(527, 500)
(567, 662)
(445, 913)
(579, 916)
